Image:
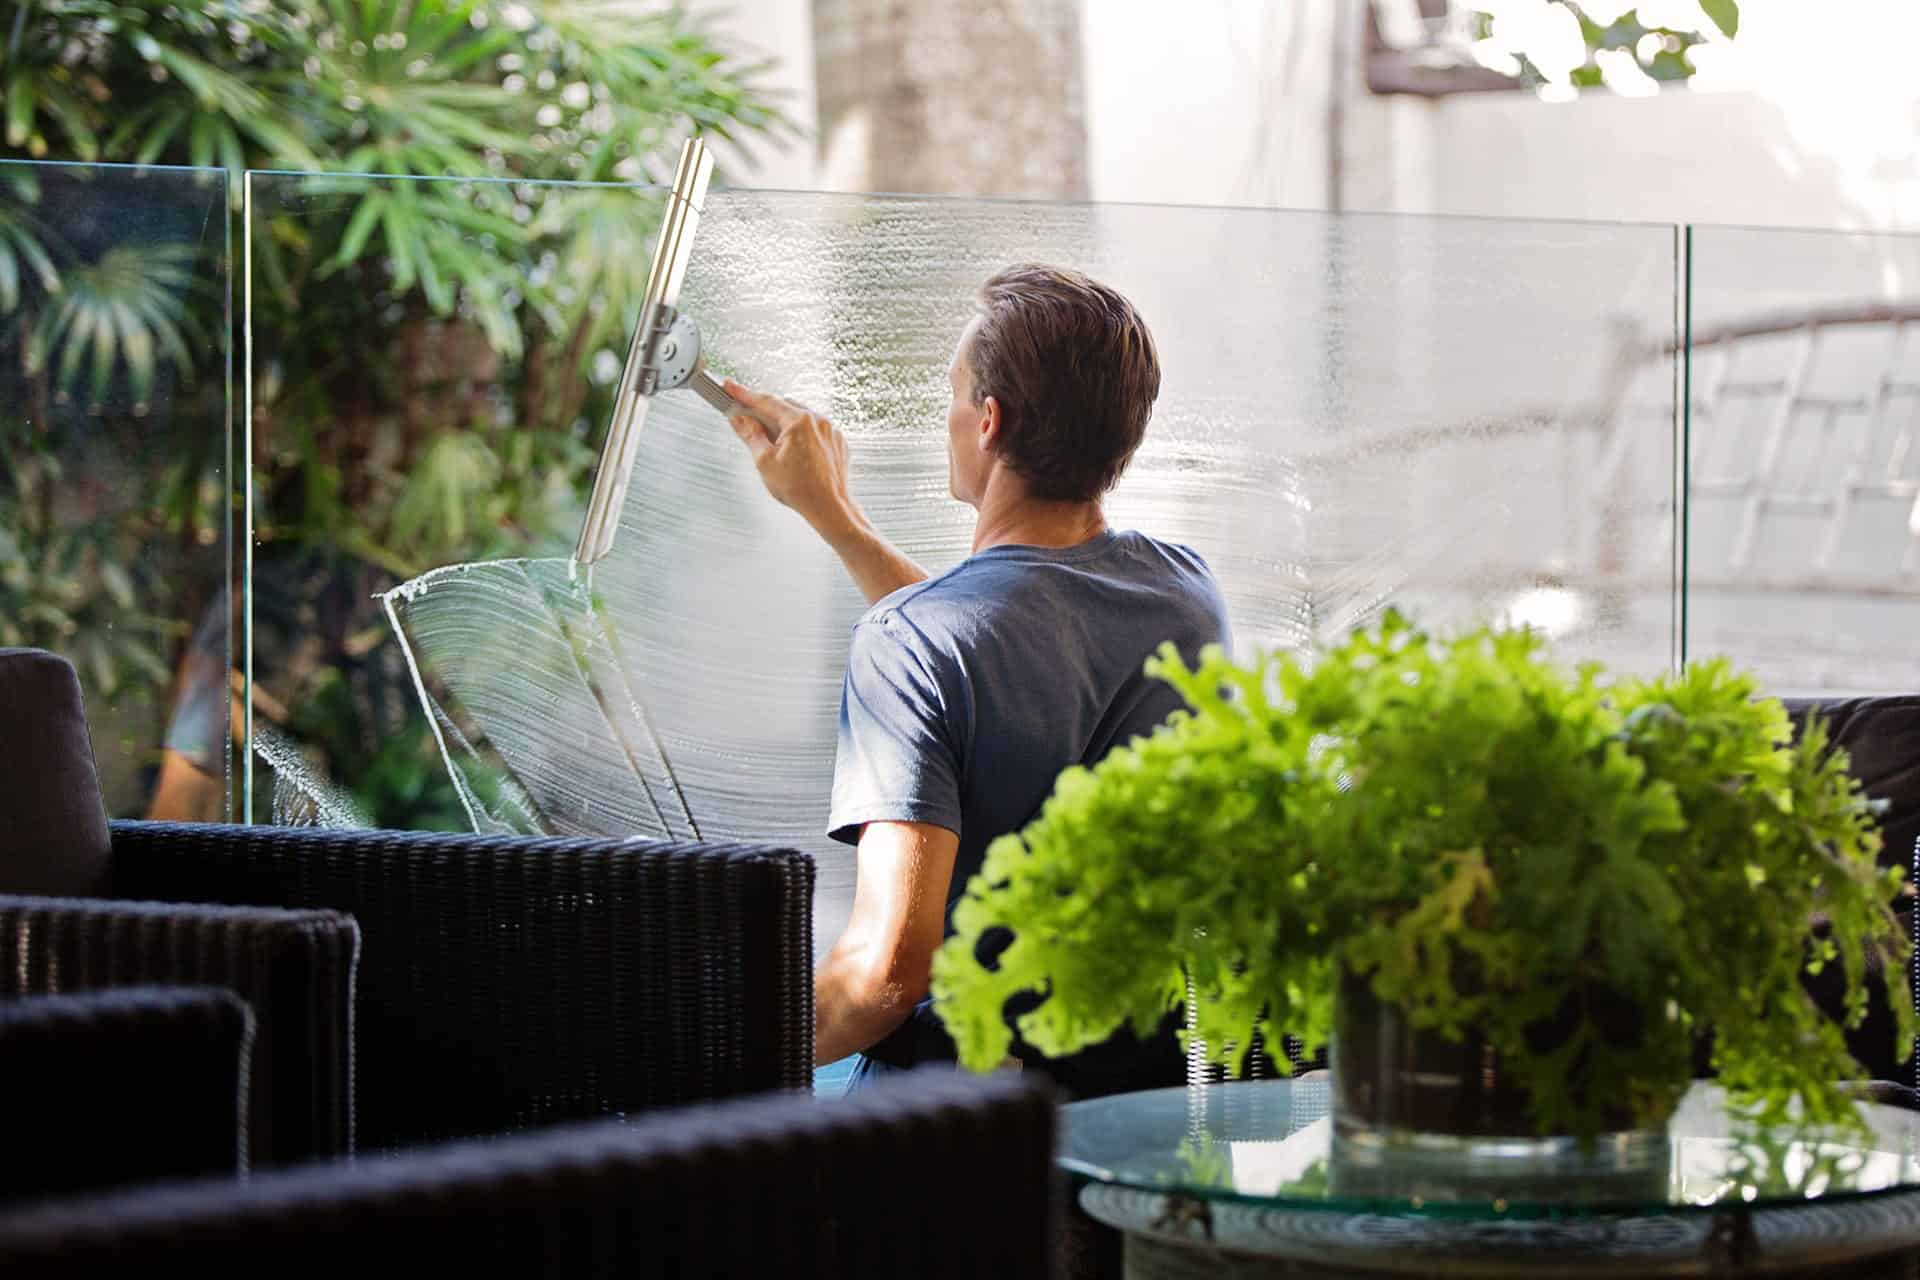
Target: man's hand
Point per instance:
(802, 460)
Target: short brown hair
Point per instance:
(1075, 373)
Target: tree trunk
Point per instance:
(979, 99)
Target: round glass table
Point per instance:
(1249, 1179)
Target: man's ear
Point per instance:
(990, 423)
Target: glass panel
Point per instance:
(1804, 478)
(115, 509)
(427, 360)
(1463, 418)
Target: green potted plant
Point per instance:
(1447, 856)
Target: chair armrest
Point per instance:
(125, 1086)
(509, 982)
(937, 1175)
(294, 969)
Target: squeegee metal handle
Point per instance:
(703, 384)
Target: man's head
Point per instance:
(1054, 379)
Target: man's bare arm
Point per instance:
(877, 566)
(881, 965)
(802, 460)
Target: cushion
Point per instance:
(1882, 739)
(53, 824)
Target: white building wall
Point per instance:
(1679, 157)
(1227, 102)
(781, 31)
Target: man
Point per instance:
(966, 694)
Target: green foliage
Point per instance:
(1489, 840)
(540, 88)
(1724, 14)
(22, 257)
(78, 586)
(100, 498)
(85, 313)
(548, 89)
(475, 493)
(1668, 61)
(129, 308)
(422, 390)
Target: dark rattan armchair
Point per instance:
(294, 969)
(937, 1176)
(119, 1087)
(507, 982)
(409, 987)
(501, 982)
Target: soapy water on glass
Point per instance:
(1349, 418)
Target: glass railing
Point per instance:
(1464, 418)
(1803, 531)
(428, 364)
(115, 476)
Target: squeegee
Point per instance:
(663, 356)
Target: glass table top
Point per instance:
(1271, 1143)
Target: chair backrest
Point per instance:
(1882, 740)
(53, 826)
(118, 1087)
(934, 1175)
(294, 969)
(507, 982)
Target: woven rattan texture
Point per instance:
(508, 982)
(293, 968)
(936, 1176)
(124, 1086)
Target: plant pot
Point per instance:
(1416, 1114)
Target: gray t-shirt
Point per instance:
(967, 694)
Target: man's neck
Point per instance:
(1008, 517)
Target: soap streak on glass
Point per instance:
(302, 796)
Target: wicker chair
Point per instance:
(294, 969)
(502, 983)
(410, 987)
(507, 982)
(76, 1118)
(935, 1176)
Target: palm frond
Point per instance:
(121, 311)
(21, 247)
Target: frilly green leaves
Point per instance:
(1489, 838)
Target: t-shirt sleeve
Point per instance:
(895, 760)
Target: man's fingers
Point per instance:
(755, 399)
(777, 414)
(752, 434)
